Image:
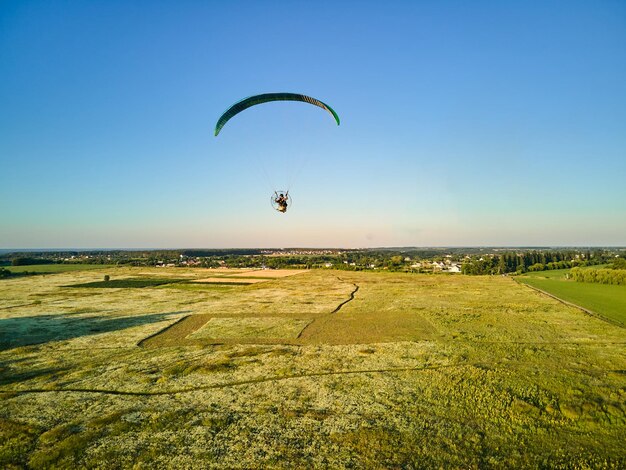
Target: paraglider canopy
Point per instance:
(267, 98)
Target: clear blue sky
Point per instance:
(463, 123)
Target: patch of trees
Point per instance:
(6, 273)
(599, 276)
(531, 261)
(28, 261)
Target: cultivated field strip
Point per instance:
(570, 304)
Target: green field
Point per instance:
(55, 268)
(552, 274)
(560, 273)
(606, 300)
(326, 369)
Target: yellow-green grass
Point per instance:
(56, 268)
(250, 328)
(411, 371)
(605, 300)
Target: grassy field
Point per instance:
(560, 273)
(605, 300)
(55, 268)
(320, 369)
(552, 274)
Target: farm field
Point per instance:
(605, 300)
(559, 273)
(314, 368)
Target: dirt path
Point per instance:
(350, 299)
(323, 317)
(234, 383)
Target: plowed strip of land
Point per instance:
(251, 328)
(175, 334)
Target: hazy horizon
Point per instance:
(434, 247)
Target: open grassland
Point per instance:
(323, 369)
(605, 300)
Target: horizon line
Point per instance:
(439, 247)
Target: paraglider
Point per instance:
(280, 199)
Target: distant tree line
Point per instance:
(28, 261)
(479, 260)
(224, 252)
(531, 261)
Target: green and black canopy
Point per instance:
(267, 98)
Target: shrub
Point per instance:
(600, 276)
(619, 263)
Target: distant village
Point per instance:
(416, 260)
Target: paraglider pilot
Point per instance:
(281, 200)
